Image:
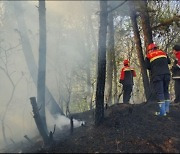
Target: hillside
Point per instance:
(126, 129)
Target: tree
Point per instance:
(42, 63)
(147, 31)
(5, 68)
(137, 39)
(145, 22)
(91, 46)
(39, 121)
(27, 49)
(99, 111)
(110, 54)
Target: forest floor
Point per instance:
(127, 128)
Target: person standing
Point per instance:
(126, 79)
(157, 62)
(176, 73)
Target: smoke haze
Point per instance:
(65, 21)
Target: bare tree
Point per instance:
(147, 31)
(99, 112)
(5, 69)
(68, 91)
(27, 49)
(42, 63)
(145, 19)
(110, 54)
(137, 39)
(39, 121)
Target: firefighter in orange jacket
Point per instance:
(126, 79)
(157, 62)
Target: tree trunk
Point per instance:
(38, 121)
(68, 96)
(88, 73)
(139, 50)
(99, 111)
(147, 31)
(109, 65)
(87, 55)
(115, 79)
(146, 23)
(26, 46)
(93, 37)
(42, 63)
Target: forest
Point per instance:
(61, 62)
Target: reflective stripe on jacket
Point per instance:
(155, 55)
(127, 74)
(157, 61)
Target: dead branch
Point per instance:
(167, 22)
(28, 139)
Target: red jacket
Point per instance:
(126, 75)
(177, 54)
(157, 62)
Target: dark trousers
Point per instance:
(127, 89)
(177, 90)
(161, 85)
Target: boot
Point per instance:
(167, 102)
(162, 109)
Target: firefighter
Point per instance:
(157, 62)
(126, 79)
(176, 73)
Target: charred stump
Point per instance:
(38, 121)
(51, 136)
(71, 125)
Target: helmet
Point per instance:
(126, 62)
(151, 46)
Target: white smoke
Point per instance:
(61, 122)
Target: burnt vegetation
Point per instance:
(126, 128)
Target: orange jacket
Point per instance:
(127, 74)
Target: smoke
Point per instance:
(65, 35)
(61, 122)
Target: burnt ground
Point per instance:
(126, 128)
